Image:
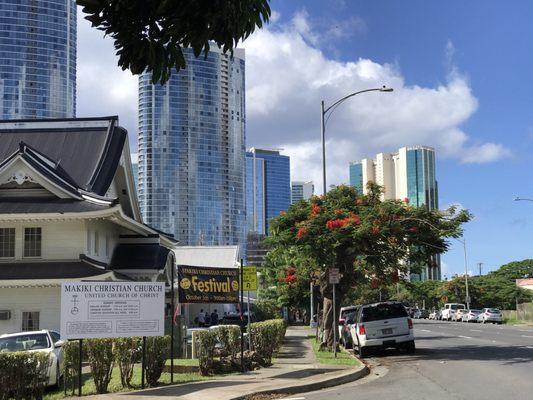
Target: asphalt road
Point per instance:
(452, 361)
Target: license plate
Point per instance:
(387, 331)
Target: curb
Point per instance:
(351, 376)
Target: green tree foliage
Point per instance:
(368, 239)
(149, 34)
(515, 270)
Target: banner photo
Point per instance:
(208, 285)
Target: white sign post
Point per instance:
(112, 309)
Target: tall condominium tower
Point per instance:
(37, 59)
(192, 151)
(409, 173)
(301, 191)
(274, 196)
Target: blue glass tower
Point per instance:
(277, 182)
(192, 151)
(37, 59)
(422, 187)
(356, 175)
(255, 194)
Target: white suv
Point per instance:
(490, 315)
(382, 325)
(448, 312)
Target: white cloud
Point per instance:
(103, 88)
(288, 75)
(485, 153)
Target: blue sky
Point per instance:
(461, 71)
(492, 43)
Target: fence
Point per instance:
(523, 313)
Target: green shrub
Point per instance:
(71, 355)
(205, 342)
(100, 355)
(229, 338)
(266, 309)
(23, 374)
(267, 337)
(127, 352)
(157, 352)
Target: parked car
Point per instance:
(421, 314)
(345, 324)
(44, 341)
(343, 313)
(471, 315)
(449, 310)
(493, 315)
(458, 315)
(382, 325)
(433, 315)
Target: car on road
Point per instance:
(470, 315)
(493, 315)
(345, 337)
(435, 315)
(449, 310)
(382, 325)
(458, 316)
(421, 314)
(344, 313)
(43, 341)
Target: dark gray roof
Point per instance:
(32, 205)
(49, 270)
(139, 256)
(89, 155)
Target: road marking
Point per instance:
(476, 330)
(465, 337)
(527, 336)
(294, 398)
(424, 330)
(529, 347)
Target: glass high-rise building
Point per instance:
(37, 59)
(192, 151)
(356, 175)
(276, 177)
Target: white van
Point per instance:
(448, 312)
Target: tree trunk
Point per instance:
(327, 318)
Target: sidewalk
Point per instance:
(295, 370)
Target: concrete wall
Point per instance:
(45, 300)
(525, 312)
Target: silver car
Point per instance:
(470, 315)
(493, 315)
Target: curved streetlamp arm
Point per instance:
(522, 199)
(353, 94)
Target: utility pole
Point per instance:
(480, 264)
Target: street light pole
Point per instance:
(323, 121)
(466, 277)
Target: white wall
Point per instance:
(66, 240)
(46, 300)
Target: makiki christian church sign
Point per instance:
(208, 285)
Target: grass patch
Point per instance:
(115, 386)
(327, 357)
(187, 362)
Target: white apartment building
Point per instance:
(406, 174)
(301, 190)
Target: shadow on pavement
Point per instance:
(304, 373)
(185, 389)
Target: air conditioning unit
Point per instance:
(5, 315)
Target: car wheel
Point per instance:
(363, 352)
(410, 347)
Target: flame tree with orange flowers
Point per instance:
(371, 241)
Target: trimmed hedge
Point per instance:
(127, 352)
(205, 342)
(23, 374)
(71, 357)
(267, 338)
(100, 355)
(157, 352)
(229, 337)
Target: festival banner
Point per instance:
(208, 285)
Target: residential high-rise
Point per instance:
(37, 59)
(276, 177)
(192, 150)
(407, 174)
(301, 191)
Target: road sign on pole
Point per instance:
(334, 276)
(249, 278)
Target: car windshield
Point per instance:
(346, 313)
(24, 342)
(475, 311)
(383, 311)
(457, 307)
(493, 310)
